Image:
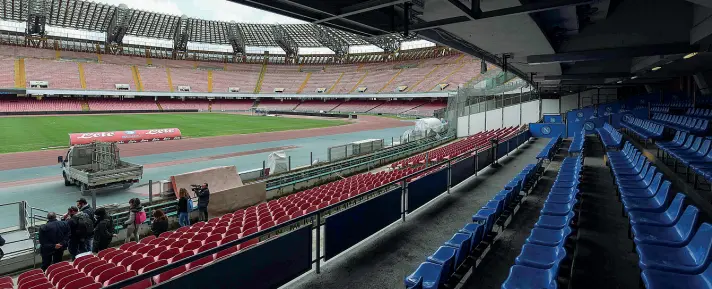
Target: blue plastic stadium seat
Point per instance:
(497, 205)
(549, 237)
(461, 242)
(560, 198)
(656, 186)
(476, 232)
(692, 258)
(666, 218)
(485, 217)
(677, 235)
(445, 257)
(523, 277)
(656, 204)
(540, 257)
(426, 276)
(554, 209)
(554, 222)
(656, 279)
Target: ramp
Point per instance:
(218, 179)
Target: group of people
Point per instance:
(83, 229)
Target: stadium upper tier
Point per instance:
(24, 67)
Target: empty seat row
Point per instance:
(672, 244)
(550, 149)
(609, 136)
(675, 104)
(645, 129)
(681, 122)
(660, 109)
(693, 152)
(577, 143)
(537, 266)
(438, 267)
(699, 112)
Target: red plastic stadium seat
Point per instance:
(37, 284)
(33, 278)
(219, 230)
(168, 234)
(129, 260)
(192, 246)
(226, 252)
(234, 231)
(181, 256)
(120, 277)
(182, 229)
(180, 243)
(28, 274)
(154, 252)
(248, 232)
(168, 274)
(168, 253)
(120, 257)
(147, 239)
(54, 268)
(198, 224)
(143, 284)
(266, 225)
(165, 242)
(83, 259)
(61, 273)
(229, 238)
(145, 249)
(106, 275)
(249, 243)
(125, 246)
(94, 271)
(7, 285)
(156, 241)
(90, 286)
(199, 237)
(296, 215)
(248, 225)
(213, 238)
(282, 219)
(140, 263)
(63, 280)
(76, 283)
(200, 262)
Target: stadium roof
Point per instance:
(92, 16)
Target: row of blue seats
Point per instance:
(681, 122)
(438, 267)
(699, 112)
(660, 109)
(610, 137)
(644, 128)
(691, 151)
(577, 142)
(673, 248)
(537, 266)
(676, 104)
(550, 149)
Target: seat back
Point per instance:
(688, 221)
(705, 147)
(696, 144)
(701, 243)
(675, 207)
(649, 175)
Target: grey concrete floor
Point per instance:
(386, 259)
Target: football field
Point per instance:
(36, 132)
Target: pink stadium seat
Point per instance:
(213, 238)
(180, 243)
(229, 238)
(86, 266)
(199, 237)
(192, 246)
(106, 275)
(248, 232)
(266, 225)
(120, 257)
(76, 283)
(155, 252)
(219, 230)
(28, 274)
(37, 284)
(235, 230)
(36, 279)
(144, 250)
(81, 261)
(207, 246)
(249, 225)
(140, 263)
(54, 268)
(90, 286)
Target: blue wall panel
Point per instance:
(553, 118)
(484, 159)
(547, 130)
(575, 119)
(501, 149)
(351, 226)
(608, 109)
(426, 188)
(462, 170)
(268, 265)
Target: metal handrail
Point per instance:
(307, 219)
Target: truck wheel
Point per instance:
(66, 181)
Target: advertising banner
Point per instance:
(127, 136)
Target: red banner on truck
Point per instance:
(127, 136)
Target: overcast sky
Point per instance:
(220, 10)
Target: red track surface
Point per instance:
(49, 157)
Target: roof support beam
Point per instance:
(516, 10)
(361, 8)
(585, 76)
(36, 18)
(331, 41)
(613, 53)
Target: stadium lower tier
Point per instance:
(114, 265)
(52, 104)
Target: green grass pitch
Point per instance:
(36, 132)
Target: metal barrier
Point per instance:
(318, 221)
(18, 238)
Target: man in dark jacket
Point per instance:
(80, 227)
(2, 243)
(54, 238)
(203, 200)
(103, 231)
(86, 208)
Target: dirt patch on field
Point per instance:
(49, 157)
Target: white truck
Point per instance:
(98, 165)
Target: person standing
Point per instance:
(185, 206)
(2, 243)
(87, 209)
(104, 231)
(203, 201)
(160, 223)
(54, 239)
(80, 227)
(136, 217)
